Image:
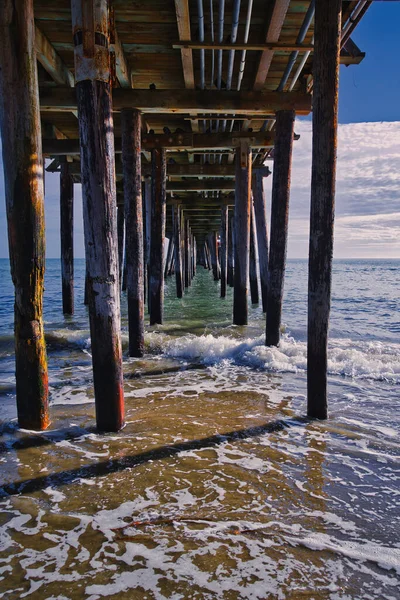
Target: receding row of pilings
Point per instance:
(23, 168)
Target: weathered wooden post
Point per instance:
(169, 257)
(176, 223)
(279, 222)
(93, 94)
(242, 233)
(231, 249)
(158, 205)
(188, 263)
(67, 237)
(260, 210)
(224, 249)
(325, 119)
(253, 260)
(147, 234)
(131, 165)
(23, 178)
(120, 233)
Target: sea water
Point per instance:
(218, 486)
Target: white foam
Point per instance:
(359, 360)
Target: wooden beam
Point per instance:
(182, 141)
(247, 47)
(183, 22)
(179, 101)
(124, 74)
(274, 31)
(51, 61)
(203, 185)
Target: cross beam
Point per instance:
(206, 102)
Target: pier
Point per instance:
(170, 115)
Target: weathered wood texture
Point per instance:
(253, 261)
(224, 249)
(170, 254)
(131, 126)
(231, 250)
(213, 246)
(260, 210)
(67, 238)
(188, 264)
(147, 234)
(279, 223)
(325, 119)
(121, 236)
(23, 178)
(158, 205)
(176, 218)
(242, 235)
(99, 214)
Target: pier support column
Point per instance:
(121, 233)
(67, 238)
(23, 181)
(131, 165)
(147, 236)
(279, 222)
(325, 119)
(93, 94)
(158, 207)
(187, 255)
(176, 223)
(231, 249)
(253, 261)
(224, 249)
(242, 233)
(260, 211)
(168, 262)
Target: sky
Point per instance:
(367, 223)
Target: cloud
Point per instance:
(367, 222)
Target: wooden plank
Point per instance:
(273, 33)
(51, 61)
(325, 121)
(180, 101)
(24, 193)
(183, 22)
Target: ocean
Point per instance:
(218, 486)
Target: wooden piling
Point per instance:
(260, 211)
(120, 233)
(279, 222)
(324, 148)
(67, 238)
(169, 257)
(231, 249)
(187, 255)
(93, 94)
(253, 260)
(176, 218)
(131, 165)
(147, 235)
(224, 249)
(23, 179)
(242, 233)
(158, 206)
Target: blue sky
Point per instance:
(368, 177)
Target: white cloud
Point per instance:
(367, 220)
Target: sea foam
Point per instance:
(360, 360)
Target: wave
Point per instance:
(361, 360)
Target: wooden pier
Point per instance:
(171, 134)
